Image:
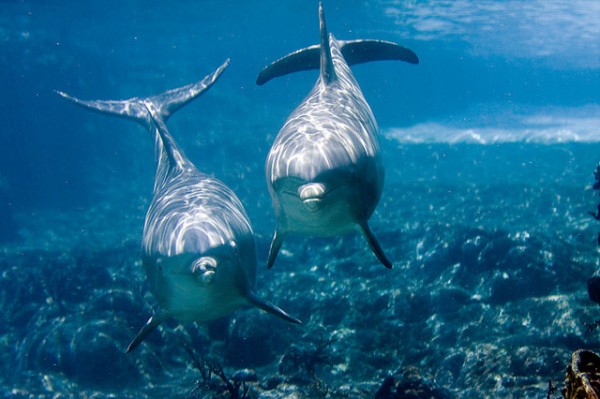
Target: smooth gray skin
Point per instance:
(198, 247)
(324, 171)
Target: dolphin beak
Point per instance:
(311, 195)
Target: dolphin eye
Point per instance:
(205, 268)
(234, 247)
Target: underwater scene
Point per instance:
(292, 199)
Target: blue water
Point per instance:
(490, 145)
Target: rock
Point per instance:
(412, 385)
(593, 288)
(385, 391)
(583, 376)
(245, 375)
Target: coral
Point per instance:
(214, 380)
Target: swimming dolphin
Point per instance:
(324, 171)
(198, 247)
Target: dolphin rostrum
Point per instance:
(198, 247)
(324, 171)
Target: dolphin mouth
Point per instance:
(312, 204)
(312, 195)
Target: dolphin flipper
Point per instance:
(150, 326)
(275, 246)
(354, 52)
(375, 246)
(270, 308)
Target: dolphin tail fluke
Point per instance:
(172, 100)
(270, 308)
(130, 109)
(165, 103)
(361, 51)
(275, 247)
(375, 246)
(150, 326)
(354, 52)
(319, 56)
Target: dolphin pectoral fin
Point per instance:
(270, 308)
(150, 326)
(275, 246)
(375, 246)
(360, 51)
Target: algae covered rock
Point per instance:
(412, 384)
(583, 376)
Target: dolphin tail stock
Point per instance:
(326, 62)
(150, 326)
(270, 308)
(276, 243)
(375, 246)
(165, 103)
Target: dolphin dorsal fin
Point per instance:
(326, 67)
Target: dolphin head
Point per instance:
(227, 282)
(200, 286)
(225, 266)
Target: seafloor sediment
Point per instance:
(487, 297)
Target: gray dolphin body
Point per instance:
(324, 171)
(198, 247)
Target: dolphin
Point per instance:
(324, 170)
(198, 247)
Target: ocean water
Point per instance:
(490, 146)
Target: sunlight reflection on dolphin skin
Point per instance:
(333, 127)
(193, 204)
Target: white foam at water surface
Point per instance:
(581, 125)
